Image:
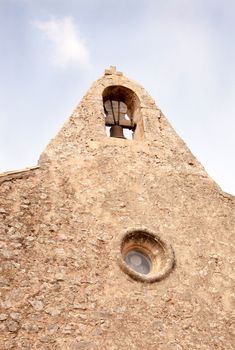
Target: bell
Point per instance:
(117, 131)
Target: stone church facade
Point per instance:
(112, 243)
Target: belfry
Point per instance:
(118, 238)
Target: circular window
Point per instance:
(145, 256)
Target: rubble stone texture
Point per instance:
(63, 221)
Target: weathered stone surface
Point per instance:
(37, 304)
(16, 316)
(12, 326)
(3, 317)
(61, 229)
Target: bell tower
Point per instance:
(118, 238)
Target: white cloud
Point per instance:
(68, 47)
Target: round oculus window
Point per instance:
(145, 256)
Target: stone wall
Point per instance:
(61, 228)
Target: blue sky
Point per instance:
(181, 51)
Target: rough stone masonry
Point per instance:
(66, 225)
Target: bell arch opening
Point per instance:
(122, 112)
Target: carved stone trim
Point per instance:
(158, 250)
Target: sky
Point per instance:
(181, 51)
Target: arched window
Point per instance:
(120, 106)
